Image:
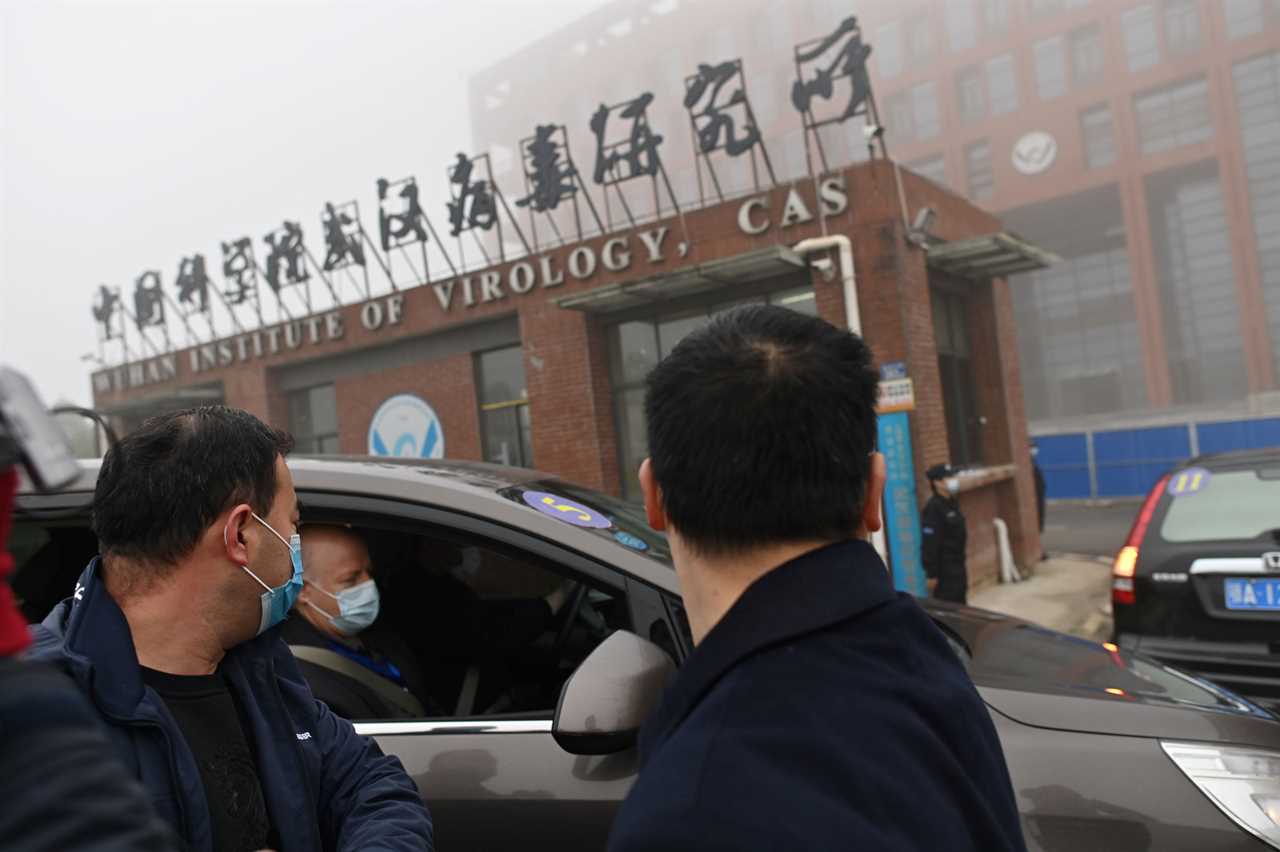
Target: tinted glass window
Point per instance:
(1236, 504)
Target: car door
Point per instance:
(500, 781)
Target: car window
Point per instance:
(48, 557)
(1231, 504)
(475, 627)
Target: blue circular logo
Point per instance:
(563, 509)
(406, 427)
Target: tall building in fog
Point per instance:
(1138, 139)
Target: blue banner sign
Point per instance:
(902, 514)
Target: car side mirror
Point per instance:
(608, 697)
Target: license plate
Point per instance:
(1251, 594)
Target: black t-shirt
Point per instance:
(210, 719)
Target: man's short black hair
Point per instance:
(163, 484)
(761, 429)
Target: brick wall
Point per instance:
(447, 385)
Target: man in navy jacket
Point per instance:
(172, 634)
(820, 710)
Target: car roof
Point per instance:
(1236, 458)
(472, 488)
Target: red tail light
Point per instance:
(1126, 564)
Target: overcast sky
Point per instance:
(134, 134)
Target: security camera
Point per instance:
(825, 266)
(872, 132)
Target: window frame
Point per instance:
(514, 405)
(313, 439)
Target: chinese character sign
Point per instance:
(902, 518)
(287, 257)
(341, 237)
(839, 56)
(632, 156)
(473, 204)
(717, 119)
(193, 285)
(551, 180)
(240, 270)
(148, 300)
(399, 223)
(105, 308)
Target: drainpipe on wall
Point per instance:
(852, 318)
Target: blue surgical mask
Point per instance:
(357, 607)
(277, 602)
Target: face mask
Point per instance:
(357, 607)
(952, 486)
(277, 602)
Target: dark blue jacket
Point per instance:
(823, 712)
(326, 787)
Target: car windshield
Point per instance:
(1228, 505)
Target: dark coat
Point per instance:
(824, 711)
(61, 785)
(942, 547)
(346, 696)
(326, 787)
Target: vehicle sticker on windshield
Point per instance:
(566, 510)
(628, 540)
(1189, 481)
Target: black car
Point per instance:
(1197, 583)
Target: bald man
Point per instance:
(360, 671)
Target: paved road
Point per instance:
(1067, 594)
(1097, 530)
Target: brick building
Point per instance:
(537, 361)
(1137, 139)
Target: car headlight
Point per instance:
(1243, 782)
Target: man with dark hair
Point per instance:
(172, 635)
(819, 710)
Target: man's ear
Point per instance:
(871, 520)
(234, 540)
(653, 510)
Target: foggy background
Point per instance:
(136, 134)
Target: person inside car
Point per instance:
(819, 709)
(361, 671)
(173, 635)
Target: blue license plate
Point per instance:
(1251, 594)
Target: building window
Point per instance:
(1078, 339)
(1051, 67)
(1175, 116)
(921, 36)
(924, 110)
(995, 16)
(636, 347)
(1141, 41)
(955, 368)
(1088, 58)
(971, 95)
(1250, 17)
(933, 168)
(1002, 85)
(506, 433)
(1192, 248)
(977, 159)
(888, 49)
(962, 27)
(1098, 133)
(1182, 25)
(313, 420)
(1257, 83)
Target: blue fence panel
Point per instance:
(1129, 461)
(1238, 435)
(1065, 462)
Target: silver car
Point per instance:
(1107, 750)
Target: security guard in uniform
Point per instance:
(944, 537)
